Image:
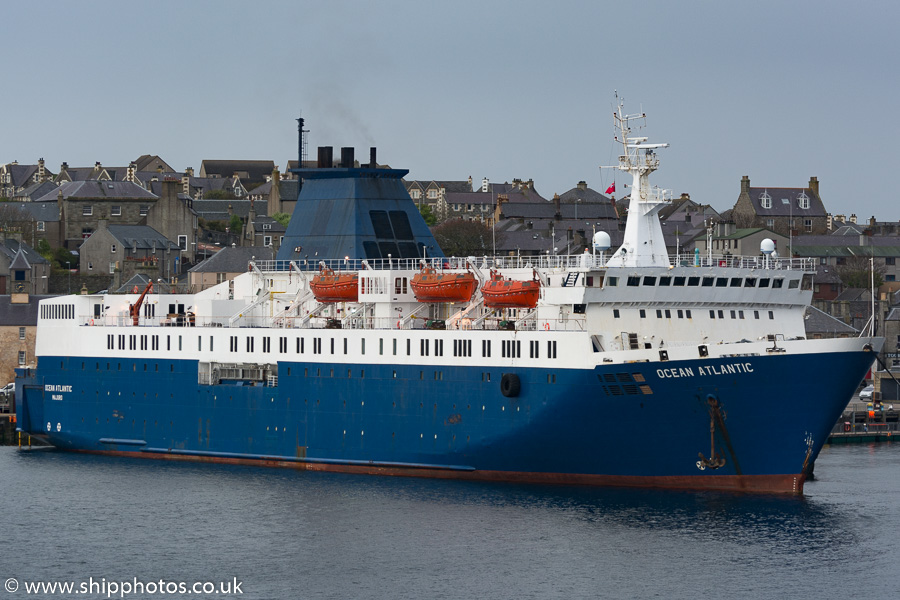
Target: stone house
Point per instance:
(225, 265)
(124, 250)
(18, 330)
(787, 211)
(83, 203)
(22, 269)
(15, 178)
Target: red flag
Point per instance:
(611, 188)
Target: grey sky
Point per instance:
(778, 91)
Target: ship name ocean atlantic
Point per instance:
(362, 349)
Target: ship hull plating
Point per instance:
(738, 423)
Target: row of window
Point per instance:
(765, 200)
(87, 210)
(461, 347)
(706, 281)
(686, 314)
(57, 311)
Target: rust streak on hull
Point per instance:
(791, 484)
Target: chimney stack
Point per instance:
(347, 160)
(745, 184)
(814, 185)
(372, 163)
(326, 157)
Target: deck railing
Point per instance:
(543, 261)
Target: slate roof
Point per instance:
(233, 260)
(848, 229)
(19, 315)
(99, 190)
(38, 211)
(854, 295)
(450, 186)
(252, 170)
(877, 251)
(476, 198)
(547, 210)
(141, 237)
(147, 162)
(817, 321)
(20, 175)
(262, 189)
(289, 189)
(826, 274)
(36, 190)
(585, 195)
(273, 225)
(11, 247)
(217, 210)
(780, 208)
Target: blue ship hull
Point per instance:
(646, 424)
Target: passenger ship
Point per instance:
(635, 369)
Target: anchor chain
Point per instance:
(716, 414)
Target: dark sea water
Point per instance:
(290, 534)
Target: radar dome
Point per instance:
(601, 240)
(767, 246)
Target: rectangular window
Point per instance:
(21, 333)
(615, 313)
(112, 268)
(144, 209)
(87, 210)
(116, 211)
(21, 358)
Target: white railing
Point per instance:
(542, 261)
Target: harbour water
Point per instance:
(290, 534)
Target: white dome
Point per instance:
(601, 240)
(767, 246)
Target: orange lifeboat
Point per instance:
(501, 292)
(430, 286)
(330, 287)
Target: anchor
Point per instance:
(715, 460)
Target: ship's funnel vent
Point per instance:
(326, 157)
(372, 163)
(347, 158)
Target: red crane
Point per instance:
(136, 307)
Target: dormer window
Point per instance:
(765, 200)
(803, 200)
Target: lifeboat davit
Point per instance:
(430, 286)
(500, 292)
(329, 286)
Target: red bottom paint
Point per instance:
(759, 484)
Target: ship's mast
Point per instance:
(643, 244)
